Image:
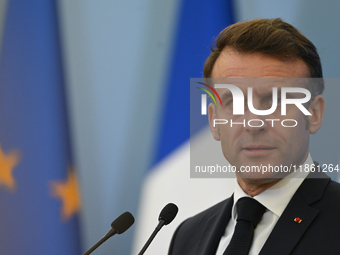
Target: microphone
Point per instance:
(118, 226)
(166, 216)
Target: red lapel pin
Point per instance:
(298, 220)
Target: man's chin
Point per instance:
(260, 177)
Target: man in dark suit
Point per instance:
(300, 208)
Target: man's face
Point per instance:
(253, 146)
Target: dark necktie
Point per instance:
(249, 213)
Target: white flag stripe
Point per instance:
(170, 182)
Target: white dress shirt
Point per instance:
(282, 191)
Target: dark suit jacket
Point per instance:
(316, 202)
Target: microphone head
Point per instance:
(168, 213)
(123, 222)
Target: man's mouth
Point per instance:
(257, 151)
(258, 148)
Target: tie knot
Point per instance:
(249, 209)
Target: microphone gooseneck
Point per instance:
(118, 226)
(166, 216)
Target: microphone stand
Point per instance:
(154, 233)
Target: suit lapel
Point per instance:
(287, 233)
(214, 228)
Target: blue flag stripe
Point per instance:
(199, 22)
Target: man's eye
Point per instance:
(230, 103)
(270, 101)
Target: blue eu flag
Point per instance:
(39, 199)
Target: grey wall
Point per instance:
(115, 54)
(3, 5)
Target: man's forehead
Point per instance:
(265, 84)
(260, 87)
(231, 63)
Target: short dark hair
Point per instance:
(271, 37)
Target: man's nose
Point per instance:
(255, 122)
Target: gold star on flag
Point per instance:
(7, 164)
(67, 191)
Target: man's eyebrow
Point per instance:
(270, 93)
(267, 93)
(226, 95)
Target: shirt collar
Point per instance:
(283, 191)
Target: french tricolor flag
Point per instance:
(168, 179)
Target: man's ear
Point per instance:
(212, 116)
(317, 109)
